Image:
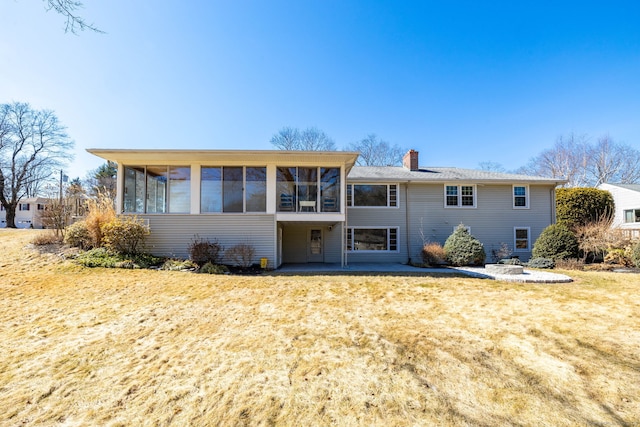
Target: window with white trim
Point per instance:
(372, 195)
(520, 197)
(632, 215)
(374, 239)
(521, 239)
(24, 207)
(460, 196)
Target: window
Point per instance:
(460, 196)
(372, 195)
(632, 215)
(520, 197)
(372, 239)
(234, 189)
(521, 239)
(304, 189)
(24, 207)
(157, 189)
(41, 207)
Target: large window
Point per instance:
(521, 239)
(304, 189)
(372, 195)
(460, 196)
(233, 189)
(157, 189)
(520, 196)
(372, 239)
(632, 215)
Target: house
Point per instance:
(300, 207)
(626, 198)
(28, 213)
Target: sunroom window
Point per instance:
(157, 189)
(233, 189)
(308, 189)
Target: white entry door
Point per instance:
(315, 249)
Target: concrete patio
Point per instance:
(528, 276)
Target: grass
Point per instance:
(114, 347)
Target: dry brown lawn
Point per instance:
(108, 347)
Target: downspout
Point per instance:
(406, 219)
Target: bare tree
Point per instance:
(490, 166)
(612, 162)
(69, 9)
(586, 164)
(377, 152)
(310, 139)
(566, 160)
(33, 143)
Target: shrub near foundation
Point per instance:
(433, 254)
(125, 235)
(556, 242)
(461, 248)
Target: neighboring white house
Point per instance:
(300, 207)
(627, 206)
(28, 213)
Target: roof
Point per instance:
(442, 174)
(286, 158)
(632, 187)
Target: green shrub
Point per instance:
(579, 206)
(461, 248)
(202, 251)
(433, 254)
(78, 235)
(210, 268)
(556, 242)
(125, 235)
(635, 254)
(98, 257)
(541, 263)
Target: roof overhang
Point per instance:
(228, 157)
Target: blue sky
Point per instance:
(462, 82)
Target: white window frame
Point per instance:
(24, 207)
(350, 198)
(633, 213)
(526, 196)
(515, 239)
(349, 232)
(459, 196)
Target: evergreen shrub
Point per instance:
(461, 248)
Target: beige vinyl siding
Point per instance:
(172, 234)
(363, 217)
(492, 221)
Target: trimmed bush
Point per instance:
(556, 242)
(541, 263)
(78, 235)
(433, 254)
(461, 248)
(579, 206)
(202, 251)
(125, 235)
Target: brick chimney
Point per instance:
(410, 160)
